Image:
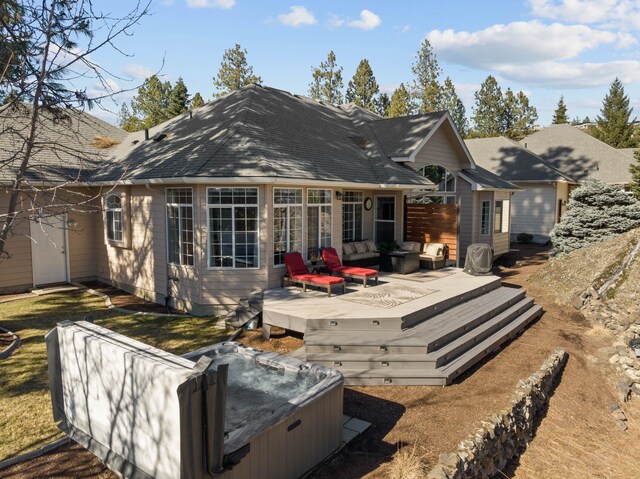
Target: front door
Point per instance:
(385, 219)
(48, 250)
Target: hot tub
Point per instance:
(289, 412)
(225, 411)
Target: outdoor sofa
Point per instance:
(360, 253)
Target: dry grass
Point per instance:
(26, 421)
(104, 142)
(407, 464)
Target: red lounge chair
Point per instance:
(333, 264)
(298, 273)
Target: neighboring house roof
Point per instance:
(66, 147)
(579, 155)
(481, 179)
(511, 161)
(261, 133)
(629, 152)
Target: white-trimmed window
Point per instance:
(485, 218)
(113, 208)
(318, 221)
(233, 227)
(287, 222)
(501, 216)
(352, 216)
(180, 245)
(445, 181)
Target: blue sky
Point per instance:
(543, 47)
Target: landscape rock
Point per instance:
(622, 425)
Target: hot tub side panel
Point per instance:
(298, 443)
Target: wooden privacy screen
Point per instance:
(433, 224)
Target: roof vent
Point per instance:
(159, 137)
(135, 142)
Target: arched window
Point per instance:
(113, 208)
(445, 185)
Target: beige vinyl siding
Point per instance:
(142, 267)
(16, 272)
(442, 149)
(82, 246)
(467, 218)
(533, 210)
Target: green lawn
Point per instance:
(25, 409)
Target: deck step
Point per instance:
(474, 336)
(490, 344)
(381, 360)
(422, 338)
(393, 377)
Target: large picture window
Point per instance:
(233, 227)
(287, 222)
(485, 218)
(352, 216)
(113, 206)
(180, 226)
(318, 221)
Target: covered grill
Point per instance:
(479, 259)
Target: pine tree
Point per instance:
(426, 89)
(450, 101)
(196, 101)
(382, 105)
(596, 212)
(401, 103)
(327, 81)
(363, 87)
(614, 126)
(488, 112)
(635, 176)
(178, 99)
(151, 104)
(521, 115)
(127, 121)
(560, 114)
(234, 71)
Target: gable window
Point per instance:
(501, 216)
(180, 226)
(485, 219)
(352, 216)
(233, 227)
(287, 222)
(445, 183)
(113, 204)
(318, 221)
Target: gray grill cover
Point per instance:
(479, 259)
(138, 408)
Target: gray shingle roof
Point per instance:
(487, 180)
(63, 151)
(261, 132)
(400, 136)
(630, 152)
(511, 161)
(579, 155)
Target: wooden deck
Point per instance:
(419, 329)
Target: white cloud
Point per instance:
(573, 74)
(405, 29)
(223, 4)
(367, 21)
(297, 16)
(389, 88)
(138, 72)
(521, 43)
(624, 14)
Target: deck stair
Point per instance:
(431, 347)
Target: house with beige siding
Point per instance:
(542, 201)
(198, 211)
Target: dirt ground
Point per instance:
(577, 437)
